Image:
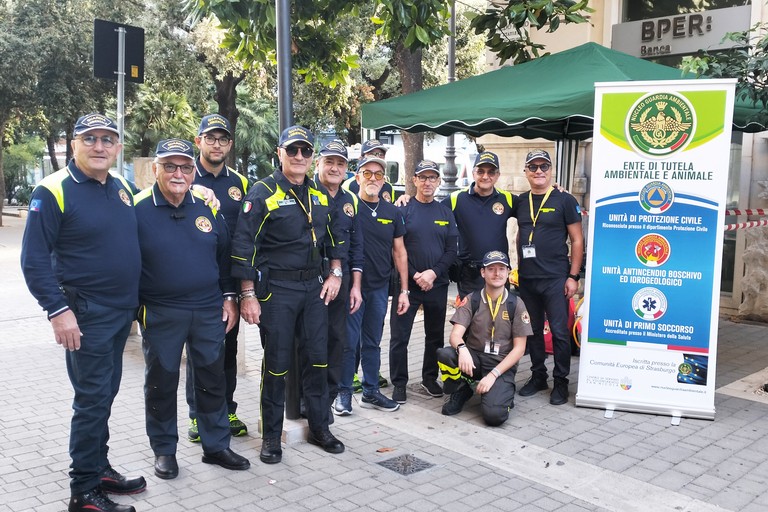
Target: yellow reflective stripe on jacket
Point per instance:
(449, 372)
(54, 185)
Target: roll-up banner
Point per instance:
(657, 208)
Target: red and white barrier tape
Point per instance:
(744, 225)
(757, 211)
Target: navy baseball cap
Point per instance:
(537, 153)
(370, 145)
(486, 157)
(426, 165)
(294, 134)
(334, 148)
(175, 147)
(492, 257)
(369, 160)
(214, 122)
(94, 121)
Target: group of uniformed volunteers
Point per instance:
(313, 262)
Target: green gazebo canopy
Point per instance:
(551, 97)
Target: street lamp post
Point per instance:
(449, 173)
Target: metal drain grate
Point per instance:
(405, 464)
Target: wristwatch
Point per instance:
(336, 271)
(575, 277)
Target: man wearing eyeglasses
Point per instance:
(372, 148)
(82, 217)
(383, 229)
(187, 298)
(430, 241)
(214, 142)
(481, 211)
(286, 225)
(547, 219)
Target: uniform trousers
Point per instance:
(95, 372)
(230, 373)
(435, 304)
(166, 331)
(544, 296)
(499, 400)
(293, 314)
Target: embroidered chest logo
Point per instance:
(203, 224)
(235, 193)
(124, 197)
(497, 208)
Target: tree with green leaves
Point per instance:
(18, 81)
(506, 25)
(747, 62)
(20, 158)
(256, 134)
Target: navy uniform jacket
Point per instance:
(482, 221)
(230, 188)
(273, 230)
(184, 252)
(348, 223)
(81, 234)
(430, 239)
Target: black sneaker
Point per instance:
(432, 388)
(533, 386)
(399, 395)
(382, 381)
(456, 402)
(192, 433)
(236, 427)
(96, 501)
(378, 401)
(115, 483)
(559, 395)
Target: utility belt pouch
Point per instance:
(454, 271)
(261, 285)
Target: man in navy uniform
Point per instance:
(286, 225)
(430, 241)
(547, 219)
(214, 142)
(481, 211)
(331, 169)
(82, 218)
(187, 298)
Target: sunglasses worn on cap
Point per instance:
(368, 174)
(106, 140)
(294, 150)
(171, 168)
(211, 140)
(543, 167)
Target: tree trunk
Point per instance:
(409, 65)
(3, 122)
(51, 143)
(226, 99)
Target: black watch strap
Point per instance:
(575, 277)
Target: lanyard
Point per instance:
(309, 214)
(534, 219)
(494, 312)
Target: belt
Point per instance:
(294, 275)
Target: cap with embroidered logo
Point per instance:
(214, 122)
(175, 147)
(363, 162)
(486, 157)
(537, 154)
(94, 121)
(334, 148)
(492, 257)
(294, 134)
(426, 165)
(370, 145)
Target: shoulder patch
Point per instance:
(247, 205)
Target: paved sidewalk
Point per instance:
(544, 458)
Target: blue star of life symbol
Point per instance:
(649, 304)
